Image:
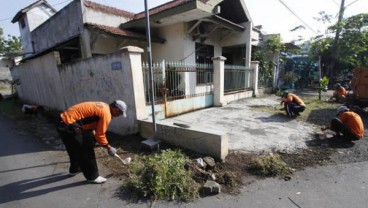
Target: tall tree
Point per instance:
(9, 45)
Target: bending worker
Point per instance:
(79, 126)
(293, 105)
(348, 123)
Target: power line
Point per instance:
(351, 3)
(298, 17)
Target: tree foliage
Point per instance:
(352, 44)
(9, 45)
(265, 56)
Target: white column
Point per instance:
(218, 80)
(255, 67)
(134, 56)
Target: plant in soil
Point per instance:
(162, 176)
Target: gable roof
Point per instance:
(34, 5)
(233, 11)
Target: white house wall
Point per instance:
(61, 27)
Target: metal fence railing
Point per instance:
(237, 78)
(174, 81)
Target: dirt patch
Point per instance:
(233, 173)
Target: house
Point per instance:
(89, 51)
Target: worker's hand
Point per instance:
(323, 128)
(112, 151)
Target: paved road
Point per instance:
(32, 175)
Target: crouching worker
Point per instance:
(348, 124)
(339, 95)
(293, 105)
(79, 127)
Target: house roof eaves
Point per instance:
(108, 10)
(29, 7)
(162, 11)
(123, 33)
(219, 20)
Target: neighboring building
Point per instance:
(29, 19)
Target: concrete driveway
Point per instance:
(250, 130)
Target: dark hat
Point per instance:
(285, 93)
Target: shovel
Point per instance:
(126, 161)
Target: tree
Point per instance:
(10, 45)
(352, 45)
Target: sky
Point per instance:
(275, 16)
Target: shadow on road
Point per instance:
(32, 187)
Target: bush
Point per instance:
(162, 176)
(270, 165)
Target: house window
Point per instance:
(204, 54)
(22, 23)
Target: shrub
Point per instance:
(162, 176)
(269, 165)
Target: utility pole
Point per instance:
(336, 47)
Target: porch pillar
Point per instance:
(255, 67)
(133, 56)
(218, 81)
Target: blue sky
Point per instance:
(272, 14)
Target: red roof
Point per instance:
(108, 9)
(115, 30)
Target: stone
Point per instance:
(210, 161)
(211, 187)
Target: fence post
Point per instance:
(218, 80)
(255, 66)
(137, 86)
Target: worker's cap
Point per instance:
(121, 105)
(342, 109)
(284, 94)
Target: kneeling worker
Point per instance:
(347, 123)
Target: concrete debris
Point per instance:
(210, 161)
(200, 162)
(211, 187)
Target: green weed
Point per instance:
(162, 176)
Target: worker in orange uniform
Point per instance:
(340, 94)
(79, 127)
(293, 105)
(348, 124)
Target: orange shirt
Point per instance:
(293, 98)
(341, 91)
(354, 122)
(91, 116)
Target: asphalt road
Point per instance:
(33, 175)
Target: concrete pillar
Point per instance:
(134, 56)
(85, 44)
(248, 46)
(218, 80)
(255, 66)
